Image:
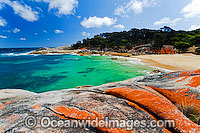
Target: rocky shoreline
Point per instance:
(81, 52)
(156, 97)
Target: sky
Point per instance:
(51, 23)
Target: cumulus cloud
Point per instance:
(78, 17)
(194, 27)
(86, 34)
(97, 22)
(16, 30)
(59, 31)
(2, 22)
(63, 7)
(137, 6)
(192, 9)
(168, 21)
(4, 37)
(22, 39)
(23, 11)
(119, 26)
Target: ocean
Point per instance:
(42, 73)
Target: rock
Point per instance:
(85, 86)
(114, 58)
(150, 98)
(156, 71)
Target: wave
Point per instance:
(66, 59)
(128, 60)
(17, 54)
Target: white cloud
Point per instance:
(120, 10)
(4, 37)
(44, 31)
(23, 11)
(16, 30)
(86, 34)
(78, 17)
(97, 22)
(137, 6)
(59, 31)
(194, 27)
(2, 22)
(119, 26)
(63, 7)
(192, 9)
(167, 21)
(1, 6)
(36, 33)
(22, 39)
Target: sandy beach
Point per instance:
(177, 62)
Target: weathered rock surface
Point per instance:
(144, 98)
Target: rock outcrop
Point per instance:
(145, 99)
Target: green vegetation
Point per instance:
(126, 40)
(198, 50)
(182, 45)
(191, 112)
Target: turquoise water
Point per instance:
(55, 72)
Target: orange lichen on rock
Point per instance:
(2, 106)
(185, 75)
(37, 107)
(12, 119)
(73, 113)
(180, 96)
(153, 91)
(183, 79)
(77, 114)
(161, 107)
(139, 108)
(194, 82)
(115, 130)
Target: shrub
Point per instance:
(198, 50)
(190, 111)
(182, 45)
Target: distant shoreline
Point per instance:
(172, 62)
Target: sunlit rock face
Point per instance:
(150, 98)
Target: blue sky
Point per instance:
(40, 23)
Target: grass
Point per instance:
(190, 111)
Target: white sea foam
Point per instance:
(17, 54)
(129, 60)
(138, 61)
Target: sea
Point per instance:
(42, 73)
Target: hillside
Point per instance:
(126, 40)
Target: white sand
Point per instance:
(177, 62)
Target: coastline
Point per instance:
(171, 62)
(176, 62)
(154, 97)
(166, 62)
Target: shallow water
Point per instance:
(43, 73)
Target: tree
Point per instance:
(158, 40)
(196, 40)
(182, 45)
